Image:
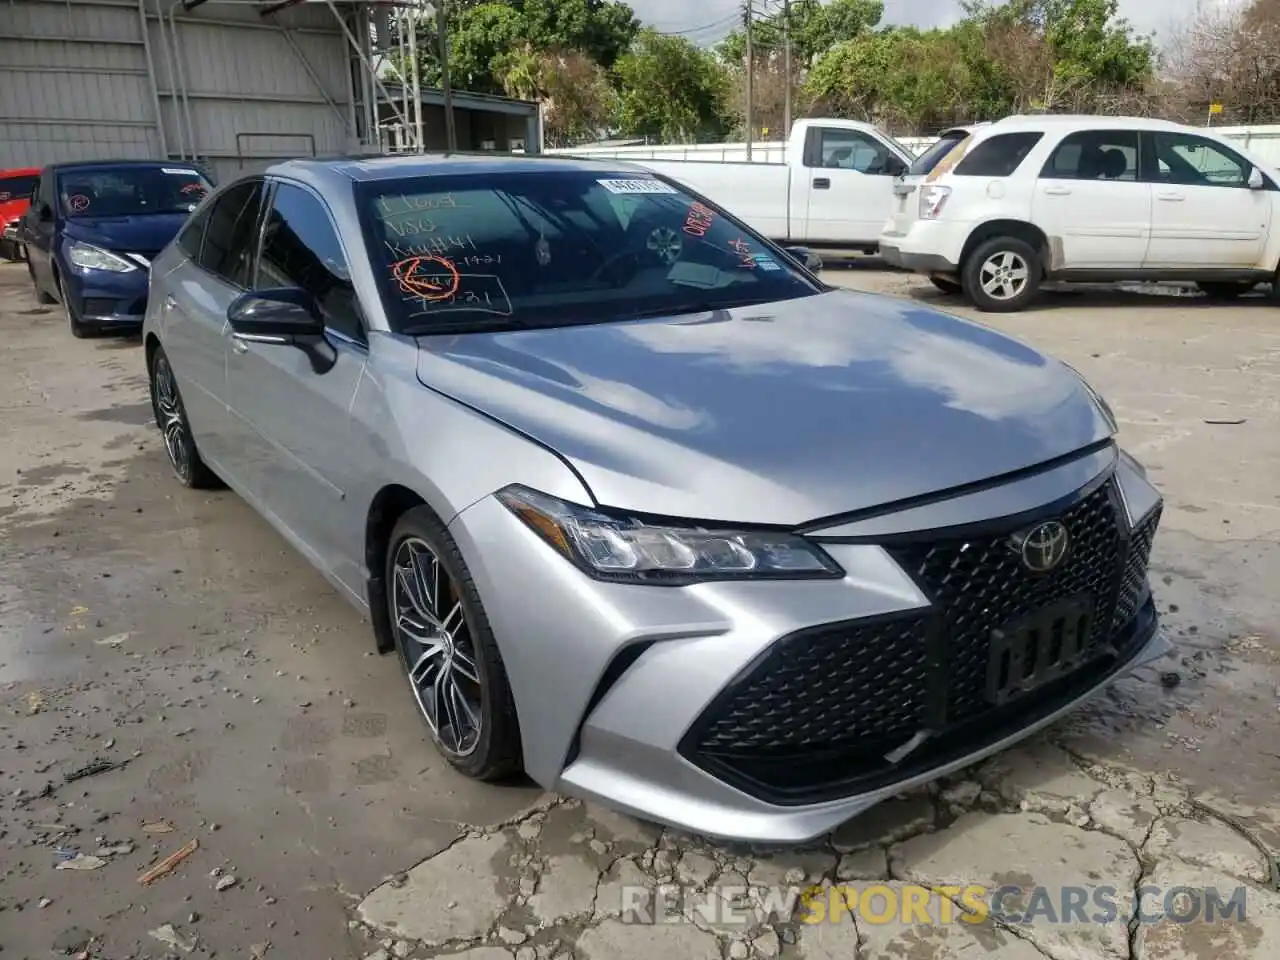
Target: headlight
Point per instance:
(611, 547)
(1103, 407)
(88, 257)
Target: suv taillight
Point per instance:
(932, 200)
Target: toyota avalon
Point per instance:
(645, 509)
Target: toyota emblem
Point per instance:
(1042, 547)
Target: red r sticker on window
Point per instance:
(78, 203)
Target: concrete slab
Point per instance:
(1207, 843)
(455, 895)
(1188, 933)
(1023, 852)
(615, 940)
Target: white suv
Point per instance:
(997, 209)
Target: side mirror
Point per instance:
(806, 258)
(894, 165)
(45, 213)
(277, 315)
(1256, 180)
(286, 316)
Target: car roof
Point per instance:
(20, 172)
(1059, 120)
(372, 168)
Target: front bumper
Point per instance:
(762, 711)
(107, 300)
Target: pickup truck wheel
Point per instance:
(1225, 289)
(946, 284)
(1002, 275)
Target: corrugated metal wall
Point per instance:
(81, 79)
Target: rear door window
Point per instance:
(947, 142)
(1095, 155)
(230, 240)
(998, 156)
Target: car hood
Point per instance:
(146, 233)
(781, 413)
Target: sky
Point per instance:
(708, 20)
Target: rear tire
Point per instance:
(1225, 289)
(946, 284)
(175, 428)
(1002, 275)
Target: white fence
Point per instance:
(1262, 141)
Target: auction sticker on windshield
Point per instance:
(636, 186)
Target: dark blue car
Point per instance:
(93, 229)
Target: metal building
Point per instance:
(234, 84)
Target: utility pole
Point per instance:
(442, 27)
(786, 68)
(416, 116)
(751, 83)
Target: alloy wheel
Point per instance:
(437, 647)
(1003, 275)
(173, 425)
(665, 244)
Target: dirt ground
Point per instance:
(174, 634)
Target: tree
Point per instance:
(1229, 56)
(574, 90)
(815, 28)
(671, 90)
(904, 79)
(480, 33)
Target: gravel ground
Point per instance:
(173, 634)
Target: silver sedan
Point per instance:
(647, 510)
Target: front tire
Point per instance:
(74, 324)
(448, 650)
(175, 429)
(1002, 275)
(41, 297)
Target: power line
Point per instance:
(728, 20)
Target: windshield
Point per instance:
(538, 248)
(925, 163)
(17, 188)
(127, 191)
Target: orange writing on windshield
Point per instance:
(428, 278)
(699, 220)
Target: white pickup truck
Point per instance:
(833, 188)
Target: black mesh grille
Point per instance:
(845, 683)
(979, 584)
(823, 706)
(1134, 583)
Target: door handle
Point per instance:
(238, 345)
(1170, 196)
(821, 183)
(170, 302)
(1057, 191)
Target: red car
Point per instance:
(15, 194)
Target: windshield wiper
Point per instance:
(698, 306)
(464, 326)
